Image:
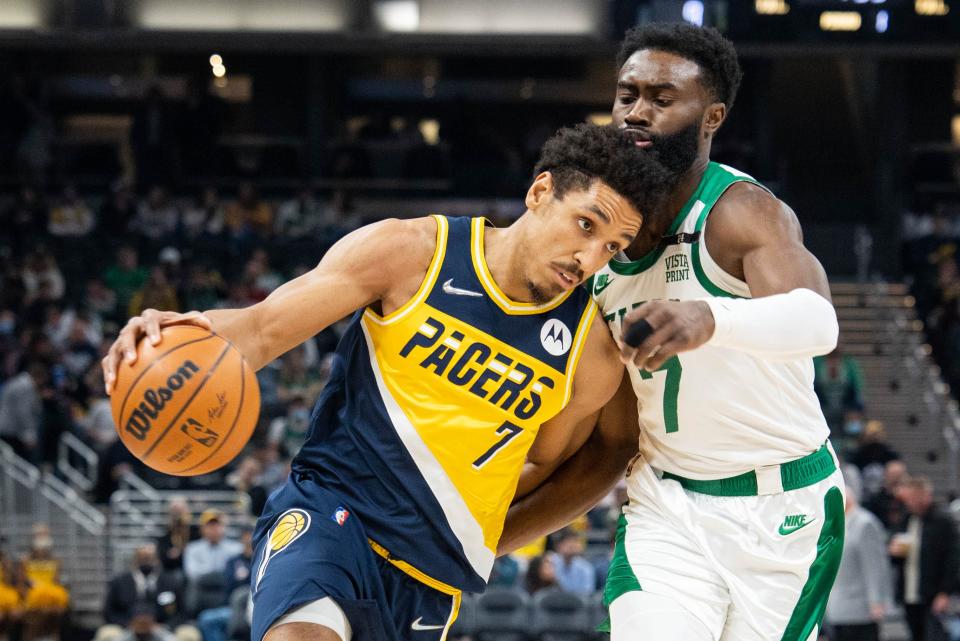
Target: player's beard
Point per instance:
(539, 295)
(678, 150)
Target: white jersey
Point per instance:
(711, 412)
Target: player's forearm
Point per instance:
(574, 488)
(798, 324)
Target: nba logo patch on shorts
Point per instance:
(340, 516)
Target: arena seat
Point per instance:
(503, 614)
(206, 592)
(560, 616)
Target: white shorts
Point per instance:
(748, 567)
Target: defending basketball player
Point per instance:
(734, 526)
(463, 361)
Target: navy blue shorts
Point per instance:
(308, 546)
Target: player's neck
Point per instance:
(658, 223)
(503, 252)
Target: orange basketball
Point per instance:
(188, 405)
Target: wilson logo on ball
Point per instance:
(154, 400)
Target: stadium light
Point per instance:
(955, 129)
(771, 7)
(215, 60)
(883, 22)
(931, 7)
(840, 21)
(397, 15)
(219, 71)
(693, 12)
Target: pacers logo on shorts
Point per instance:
(289, 527)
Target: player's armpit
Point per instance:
(582, 480)
(379, 262)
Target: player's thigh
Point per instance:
(659, 556)
(301, 632)
(320, 620)
(780, 565)
(303, 556)
(641, 616)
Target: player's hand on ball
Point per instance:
(146, 324)
(677, 326)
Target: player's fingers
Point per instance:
(109, 366)
(650, 349)
(129, 337)
(151, 324)
(667, 351)
(658, 319)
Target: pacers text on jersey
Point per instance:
(473, 364)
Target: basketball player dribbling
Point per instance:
(464, 361)
(734, 525)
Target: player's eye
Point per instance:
(613, 248)
(625, 99)
(660, 102)
(585, 224)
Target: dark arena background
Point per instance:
(195, 154)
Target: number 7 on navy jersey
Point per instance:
(509, 431)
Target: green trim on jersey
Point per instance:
(620, 576)
(714, 182)
(633, 267)
(813, 598)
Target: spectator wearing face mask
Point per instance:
(46, 599)
(145, 583)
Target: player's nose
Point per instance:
(640, 115)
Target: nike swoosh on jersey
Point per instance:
(416, 625)
(448, 288)
(599, 287)
(790, 530)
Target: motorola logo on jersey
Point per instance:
(556, 337)
(511, 385)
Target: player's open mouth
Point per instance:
(639, 138)
(568, 281)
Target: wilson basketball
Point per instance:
(188, 405)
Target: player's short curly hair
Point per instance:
(576, 156)
(705, 46)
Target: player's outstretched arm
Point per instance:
(754, 236)
(582, 480)
(383, 262)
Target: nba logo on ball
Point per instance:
(340, 516)
(555, 337)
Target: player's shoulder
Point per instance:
(747, 213)
(411, 240)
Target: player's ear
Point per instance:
(713, 117)
(540, 191)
